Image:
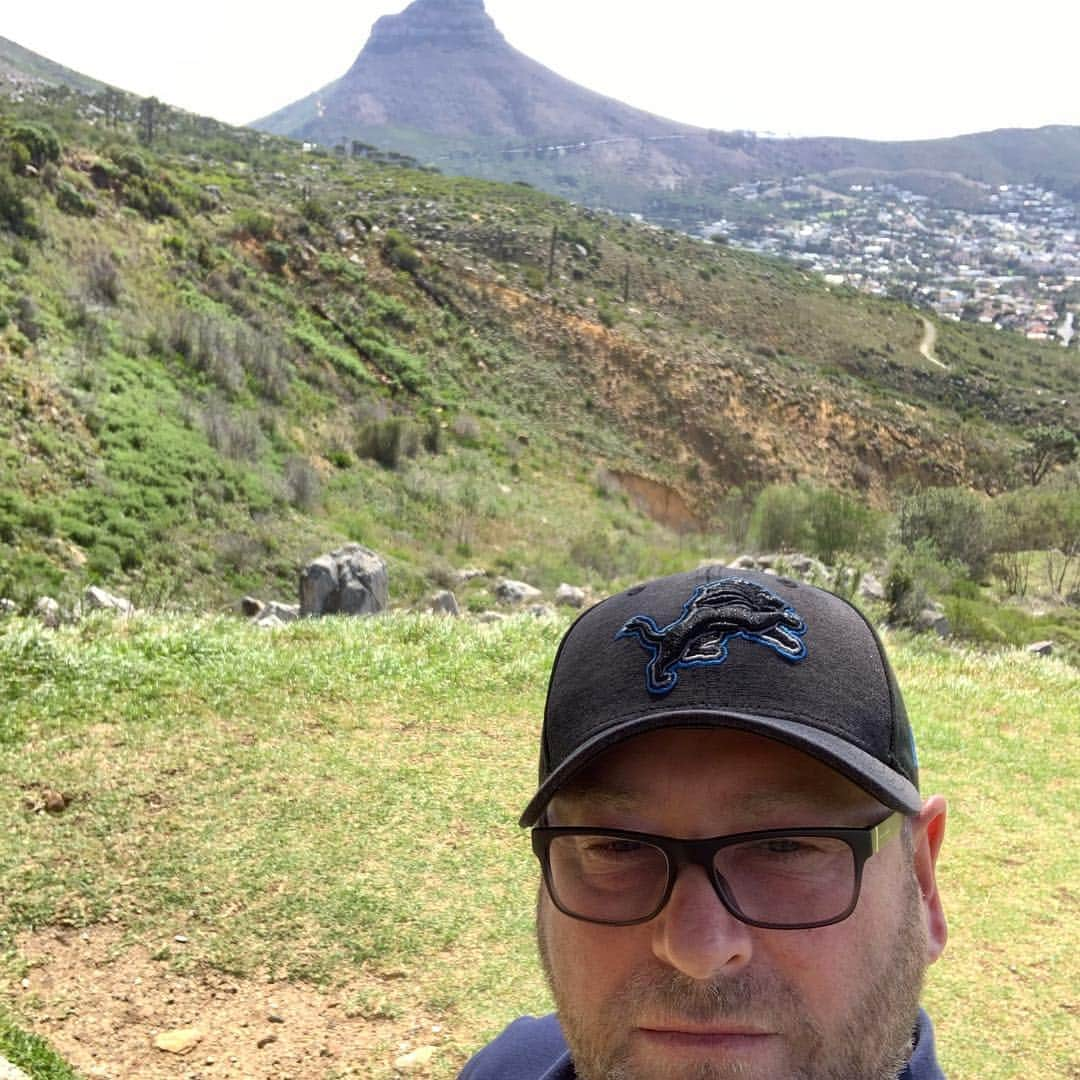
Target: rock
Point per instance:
(268, 622)
(97, 599)
(463, 577)
(283, 613)
(48, 611)
(11, 1072)
(250, 607)
(1041, 648)
(55, 802)
(179, 1041)
(871, 588)
(344, 237)
(745, 562)
(541, 611)
(445, 603)
(7, 607)
(515, 592)
(933, 618)
(488, 617)
(265, 1041)
(415, 1060)
(570, 596)
(350, 581)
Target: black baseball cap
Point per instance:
(726, 648)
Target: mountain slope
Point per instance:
(220, 356)
(439, 82)
(20, 66)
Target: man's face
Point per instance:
(697, 995)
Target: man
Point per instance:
(738, 868)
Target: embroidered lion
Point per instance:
(715, 613)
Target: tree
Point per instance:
(1048, 445)
(149, 118)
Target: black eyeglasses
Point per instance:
(779, 879)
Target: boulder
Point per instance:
(7, 607)
(285, 613)
(570, 596)
(515, 592)
(48, 611)
(444, 603)
(871, 588)
(350, 581)
(250, 607)
(97, 599)
(1041, 648)
(933, 618)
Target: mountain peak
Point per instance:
(443, 24)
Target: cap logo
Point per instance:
(715, 613)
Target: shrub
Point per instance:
(779, 520)
(72, 201)
(388, 441)
(39, 141)
(914, 577)
(399, 251)
(958, 523)
(16, 213)
(102, 277)
(839, 524)
(254, 223)
(302, 484)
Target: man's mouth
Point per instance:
(715, 1035)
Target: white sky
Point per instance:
(884, 69)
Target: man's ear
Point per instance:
(927, 833)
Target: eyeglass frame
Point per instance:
(680, 853)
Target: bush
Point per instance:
(388, 441)
(779, 520)
(256, 224)
(102, 277)
(16, 213)
(39, 141)
(840, 524)
(399, 252)
(72, 201)
(958, 522)
(303, 487)
(914, 577)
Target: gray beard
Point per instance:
(872, 1043)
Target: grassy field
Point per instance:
(332, 807)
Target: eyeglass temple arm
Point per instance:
(885, 830)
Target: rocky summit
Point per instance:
(442, 70)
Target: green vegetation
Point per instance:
(383, 862)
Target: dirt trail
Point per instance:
(929, 341)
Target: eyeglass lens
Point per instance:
(782, 880)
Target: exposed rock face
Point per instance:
(350, 581)
(445, 24)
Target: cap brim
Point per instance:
(861, 768)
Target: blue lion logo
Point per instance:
(716, 612)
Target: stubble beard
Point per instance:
(873, 1042)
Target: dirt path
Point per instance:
(929, 341)
(102, 1007)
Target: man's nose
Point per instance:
(696, 934)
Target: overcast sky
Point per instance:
(866, 68)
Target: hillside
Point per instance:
(220, 355)
(440, 83)
(22, 68)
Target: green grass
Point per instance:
(352, 788)
(31, 1054)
